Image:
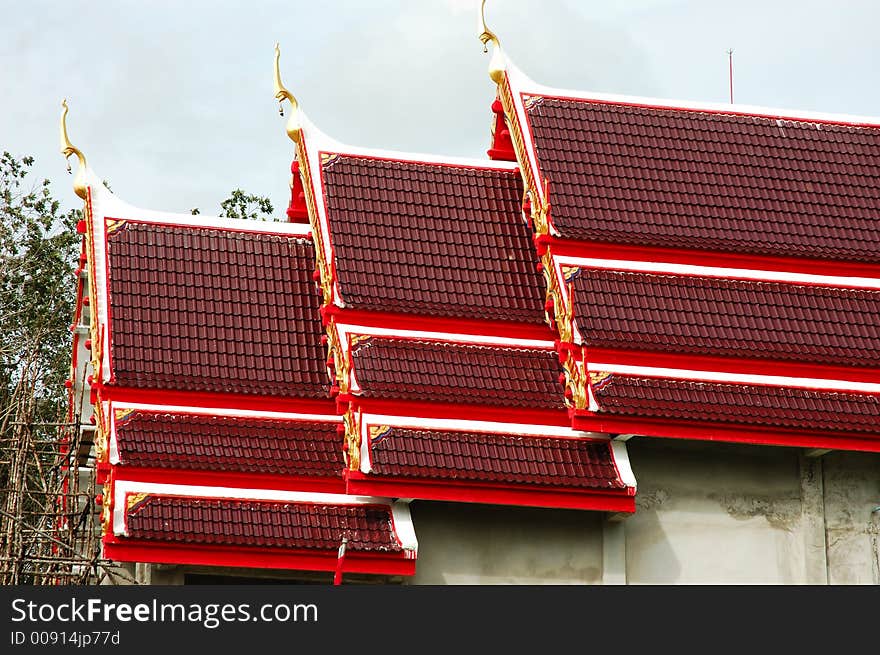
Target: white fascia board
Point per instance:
(101, 202)
(403, 527)
(717, 271)
(122, 488)
(217, 411)
(314, 141)
(530, 87)
(458, 425)
(366, 460)
(113, 207)
(478, 339)
(621, 461)
(421, 158)
(817, 384)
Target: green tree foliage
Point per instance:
(244, 205)
(38, 250)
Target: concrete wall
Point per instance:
(487, 544)
(707, 513)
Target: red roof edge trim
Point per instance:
(717, 364)
(131, 550)
(397, 321)
(729, 433)
(232, 479)
(549, 417)
(716, 259)
(217, 400)
(524, 496)
(766, 113)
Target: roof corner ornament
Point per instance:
(496, 64)
(294, 128)
(68, 149)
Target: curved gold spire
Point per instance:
(486, 34)
(496, 64)
(294, 128)
(68, 149)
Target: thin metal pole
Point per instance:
(730, 71)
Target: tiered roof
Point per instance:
(478, 331)
(711, 269)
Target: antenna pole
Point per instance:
(730, 71)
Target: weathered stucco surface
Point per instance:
(488, 544)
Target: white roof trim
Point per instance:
(736, 378)
(101, 199)
(217, 411)
(323, 143)
(458, 425)
(477, 339)
(121, 488)
(530, 87)
(621, 460)
(113, 207)
(719, 271)
(404, 528)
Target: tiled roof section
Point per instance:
(736, 318)
(202, 309)
(783, 407)
(688, 179)
(294, 525)
(444, 372)
(432, 239)
(501, 458)
(228, 443)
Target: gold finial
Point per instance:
(294, 128)
(496, 65)
(68, 149)
(486, 34)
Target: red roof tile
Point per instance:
(228, 443)
(295, 525)
(688, 179)
(444, 372)
(203, 309)
(432, 239)
(737, 318)
(782, 407)
(502, 458)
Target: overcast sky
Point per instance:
(171, 101)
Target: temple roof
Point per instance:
(745, 404)
(431, 238)
(646, 175)
(445, 372)
(691, 314)
(200, 309)
(231, 444)
(259, 523)
(493, 457)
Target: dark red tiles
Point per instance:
(435, 371)
(782, 407)
(202, 309)
(497, 458)
(688, 179)
(431, 239)
(295, 525)
(737, 318)
(228, 443)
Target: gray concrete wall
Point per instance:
(462, 543)
(852, 492)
